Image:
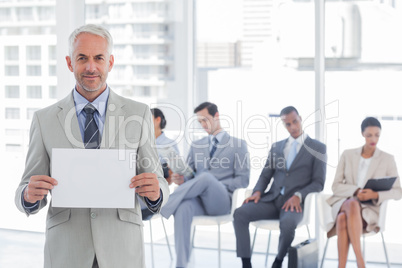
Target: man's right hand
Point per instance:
(177, 178)
(255, 197)
(38, 187)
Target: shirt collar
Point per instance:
(161, 137)
(218, 136)
(99, 103)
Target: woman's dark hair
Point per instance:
(370, 122)
(158, 113)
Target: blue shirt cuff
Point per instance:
(154, 204)
(28, 206)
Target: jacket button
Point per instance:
(93, 215)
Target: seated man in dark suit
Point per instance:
(298, 166)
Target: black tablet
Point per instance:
(381, 184)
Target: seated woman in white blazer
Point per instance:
(356, 166)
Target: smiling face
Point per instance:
(372, 135)
(292, 122)
(90, 62)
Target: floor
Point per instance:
(13, 243)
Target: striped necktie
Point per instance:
(91, 131)
(214, 146)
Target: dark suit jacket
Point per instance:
(305, 175)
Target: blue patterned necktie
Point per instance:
(91, 131)
(292, 154)
(214, 145)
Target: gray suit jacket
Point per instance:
(75, 235)
(230, 163)
(305, 175)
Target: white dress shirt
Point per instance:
(362, 172)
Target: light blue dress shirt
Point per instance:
(100, 103)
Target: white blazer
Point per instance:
(345, 184)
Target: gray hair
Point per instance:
(91, 29)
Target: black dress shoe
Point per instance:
(277, 263)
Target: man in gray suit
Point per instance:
(92, 116)
(221, 164)
(298, 166)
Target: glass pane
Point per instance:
(30, 112)
(52, 53)
(13, 132)
(11, 53)
(12, 92)
(25, 13)
(34, 70)
(34, 53)
(13, 148)
(52, 92)
(52, 70)
(12, 113)
(34, 92)
(11, 70)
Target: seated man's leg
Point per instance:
(205, 186)
(243, 216)
(213, 194)
(288, 223)
(183, 218)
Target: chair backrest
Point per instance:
(248, 193)
(383, 215)
(237, 199)
(307, 209)
(324, 210)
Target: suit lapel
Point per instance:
(355, 164)
(115, 116)
(221, 145)
(281, 147)
(301, 152)
(69, 122)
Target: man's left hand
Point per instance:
(147, 185)
(293, 204)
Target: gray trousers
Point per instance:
(265, 211)
(203, 195)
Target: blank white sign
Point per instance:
(93, 178)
